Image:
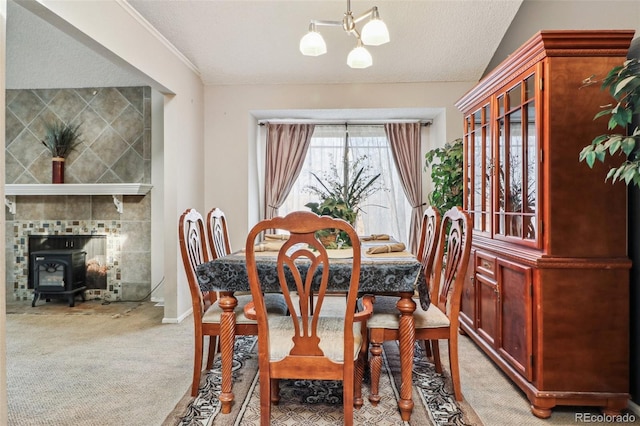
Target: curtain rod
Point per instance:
(347, 122)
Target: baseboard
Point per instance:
(635, 408)
(177, 320)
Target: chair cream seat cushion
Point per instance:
(387, 316)
(330, 331)
(274, 301)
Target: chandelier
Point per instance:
(374, 33)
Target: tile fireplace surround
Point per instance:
(111, 230)
(115, 149)
(128, 236)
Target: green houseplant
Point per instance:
(341, 195)
(446, 165)
(60, 139)
(623, 83)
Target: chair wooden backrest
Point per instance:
(308, 344)
(303, 245)
(193, 248)
(429, 232)
(217, 233)
(451, 262)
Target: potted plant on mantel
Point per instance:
(60, 139)
(342, 196)
(623, 83)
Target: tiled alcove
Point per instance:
(116, 126)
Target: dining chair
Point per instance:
(386, 304)
(308, 344)
(429, 232)
(440, 318)
(218, 233)
(206, 310)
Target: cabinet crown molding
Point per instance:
(549, 43)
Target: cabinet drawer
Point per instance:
(486, 265)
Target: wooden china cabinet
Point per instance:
(547, 294)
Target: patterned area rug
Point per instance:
(320, 402)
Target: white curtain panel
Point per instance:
(385, 212)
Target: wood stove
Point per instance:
(58, 273)
(94, 244)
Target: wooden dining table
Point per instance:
(394, 274)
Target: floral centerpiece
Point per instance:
(342, 194)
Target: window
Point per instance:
(385, 212)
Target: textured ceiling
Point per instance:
(256, 42)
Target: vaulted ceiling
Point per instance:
(256, 42)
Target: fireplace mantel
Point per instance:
(114, 189)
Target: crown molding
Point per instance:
(155, 33)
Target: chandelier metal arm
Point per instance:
(326, 23)
(348, 22)
(318, 22)
(369, 13)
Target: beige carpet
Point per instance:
(119, 365)
(93, 364)
(499, 402)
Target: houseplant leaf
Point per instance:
(623, 83)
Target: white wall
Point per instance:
(230, 130)
(3, 307)
(133, 44)
(157, 209)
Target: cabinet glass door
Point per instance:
(516, 165)
(479, 170)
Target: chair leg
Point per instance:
(435, 350)
(197, 364)
(428, 353)
(275, 391)
(347, 398)
(213, 344)
(359, 377)
(375, 367)
(453, 365)
(265, 403)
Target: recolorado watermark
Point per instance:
(604, 418)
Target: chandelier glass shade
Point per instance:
(374, 33)
(312, 43)
(359, 57)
